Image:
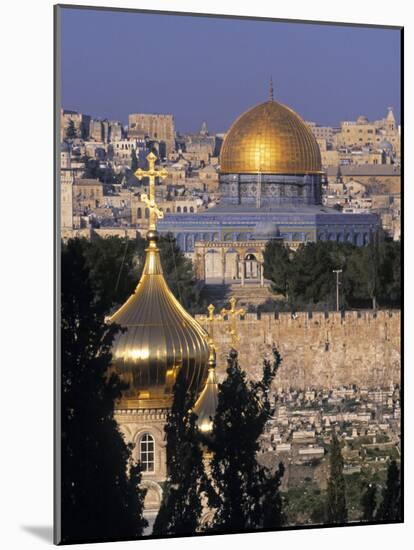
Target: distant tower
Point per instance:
(271, 89)
(390, 119)
(339, 178)
(204, 129)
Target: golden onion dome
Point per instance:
(206, 404)
(158, 340)
(270, 138)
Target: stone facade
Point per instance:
(319, 350)
(137, 425)
(155, 126)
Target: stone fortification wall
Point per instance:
(319, 350)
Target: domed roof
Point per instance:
(206, 404)
(159, 338)
(272, 139)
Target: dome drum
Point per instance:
(275, 190)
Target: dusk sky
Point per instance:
(199, 68)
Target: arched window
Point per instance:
(146, 453)
(185, 209)
(179, 209)
(191, 209)
(147, 213)
(139, 213)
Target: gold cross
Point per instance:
(232, 314)
(151, 174)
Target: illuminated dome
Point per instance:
(270, 139)
(160, 337)
(206, 404)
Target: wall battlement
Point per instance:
(318, 349)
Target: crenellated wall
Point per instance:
(318, 349)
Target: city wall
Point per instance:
(319, 350)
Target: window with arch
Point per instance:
(146, 453)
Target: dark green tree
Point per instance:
(116, 266)
(369, 502)
(246, 494)
(277, 266)
(100, 483)
(134, 161)
(336, 501)
(181, 507)
(70, 132)
(178, 272)
(311, 275)
(390, 507)
(371, 275)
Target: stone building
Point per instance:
(374, 176)
(80, 121)
(87, 195)
(159, 127)
(363, 132)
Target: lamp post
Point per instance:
(337, 271)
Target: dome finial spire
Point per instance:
(271, 89)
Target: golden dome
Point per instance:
(272, 139)
(160, 337)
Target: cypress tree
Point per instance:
(70, 132)
(246, 494)
(336, 502)
(134, 161)
(369, 502)
(181, 507)
(277, 266)
(390, 507)
(100, 483)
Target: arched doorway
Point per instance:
(251, 266)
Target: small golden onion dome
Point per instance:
(206, 405)
(270, 138)
(159, 339)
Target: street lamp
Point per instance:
(337, 271)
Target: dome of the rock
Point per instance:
(270, 138)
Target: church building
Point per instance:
(159, 339)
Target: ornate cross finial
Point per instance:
(271, 89)
(211, 319)
(232, 314)
(151, 174)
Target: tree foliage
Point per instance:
(134, 161)
(246, 495)
(277, 266)
(116, 266)
(369, 502)
(371, 275)
(101, 497)
(70, 132)
(182, 504)
(390, 507)
(336, 502)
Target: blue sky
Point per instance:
(202, 68)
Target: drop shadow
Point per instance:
(43, 532)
